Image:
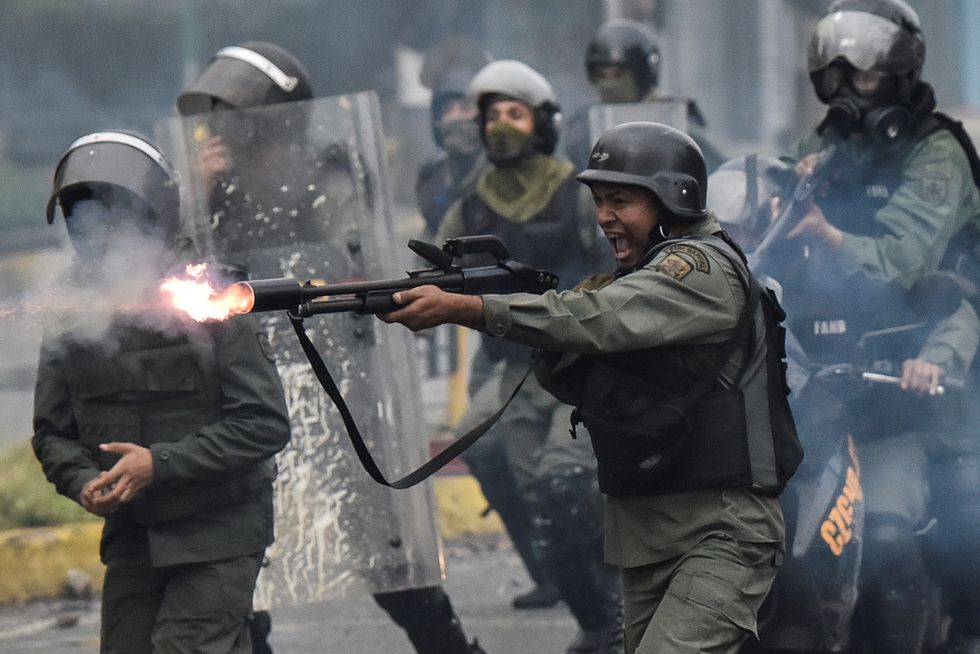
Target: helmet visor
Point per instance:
(865, 41)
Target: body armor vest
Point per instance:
(155, 388)
(650, 436)
(550, 240)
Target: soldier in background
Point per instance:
(899, 189)
(447, 71)
(622, 62)
(540, 480)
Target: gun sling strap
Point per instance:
(428, 468)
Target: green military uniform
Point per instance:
(206, 400)
(899, 208)
(917, 210)
(898, 212)
(695, 562)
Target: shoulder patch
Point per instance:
(695, 255)
(934, 189)
(674, 265)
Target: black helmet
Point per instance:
(665, 161)
(628, 43)
(517, 80)
(252, 74)
(450, 86)
(118, 160)
(870, 35)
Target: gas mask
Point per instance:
(460, 137)
(507, 145)
(874, 110)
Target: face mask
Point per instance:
(876, 115)
(507, 144)
(460, 137)
(617, 89)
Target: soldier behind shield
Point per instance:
(167, 429)
(623, 62)
(285, 195)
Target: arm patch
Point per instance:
(934, 189)
(674, 265)
(691, 255)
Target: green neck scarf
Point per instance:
(520, 192)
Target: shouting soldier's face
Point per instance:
(627, 216)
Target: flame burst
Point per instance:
(195, 295)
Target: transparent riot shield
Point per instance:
(673, 112)
(300, 190)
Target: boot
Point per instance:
(429, 621)
(542, 596)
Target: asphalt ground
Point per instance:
(483, 575)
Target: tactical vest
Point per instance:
(819, 299)
(549, 241)
(154, 388)
(648, 439)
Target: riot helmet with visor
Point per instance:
(123, 181)
(864, 59)
(252, 74)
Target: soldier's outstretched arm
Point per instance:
(686, 295)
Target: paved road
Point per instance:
(483, 576)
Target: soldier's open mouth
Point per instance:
(621, 245)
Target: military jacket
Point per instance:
(205, 399)
(686, 301)
(897, 210)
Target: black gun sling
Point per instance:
(428, 468)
